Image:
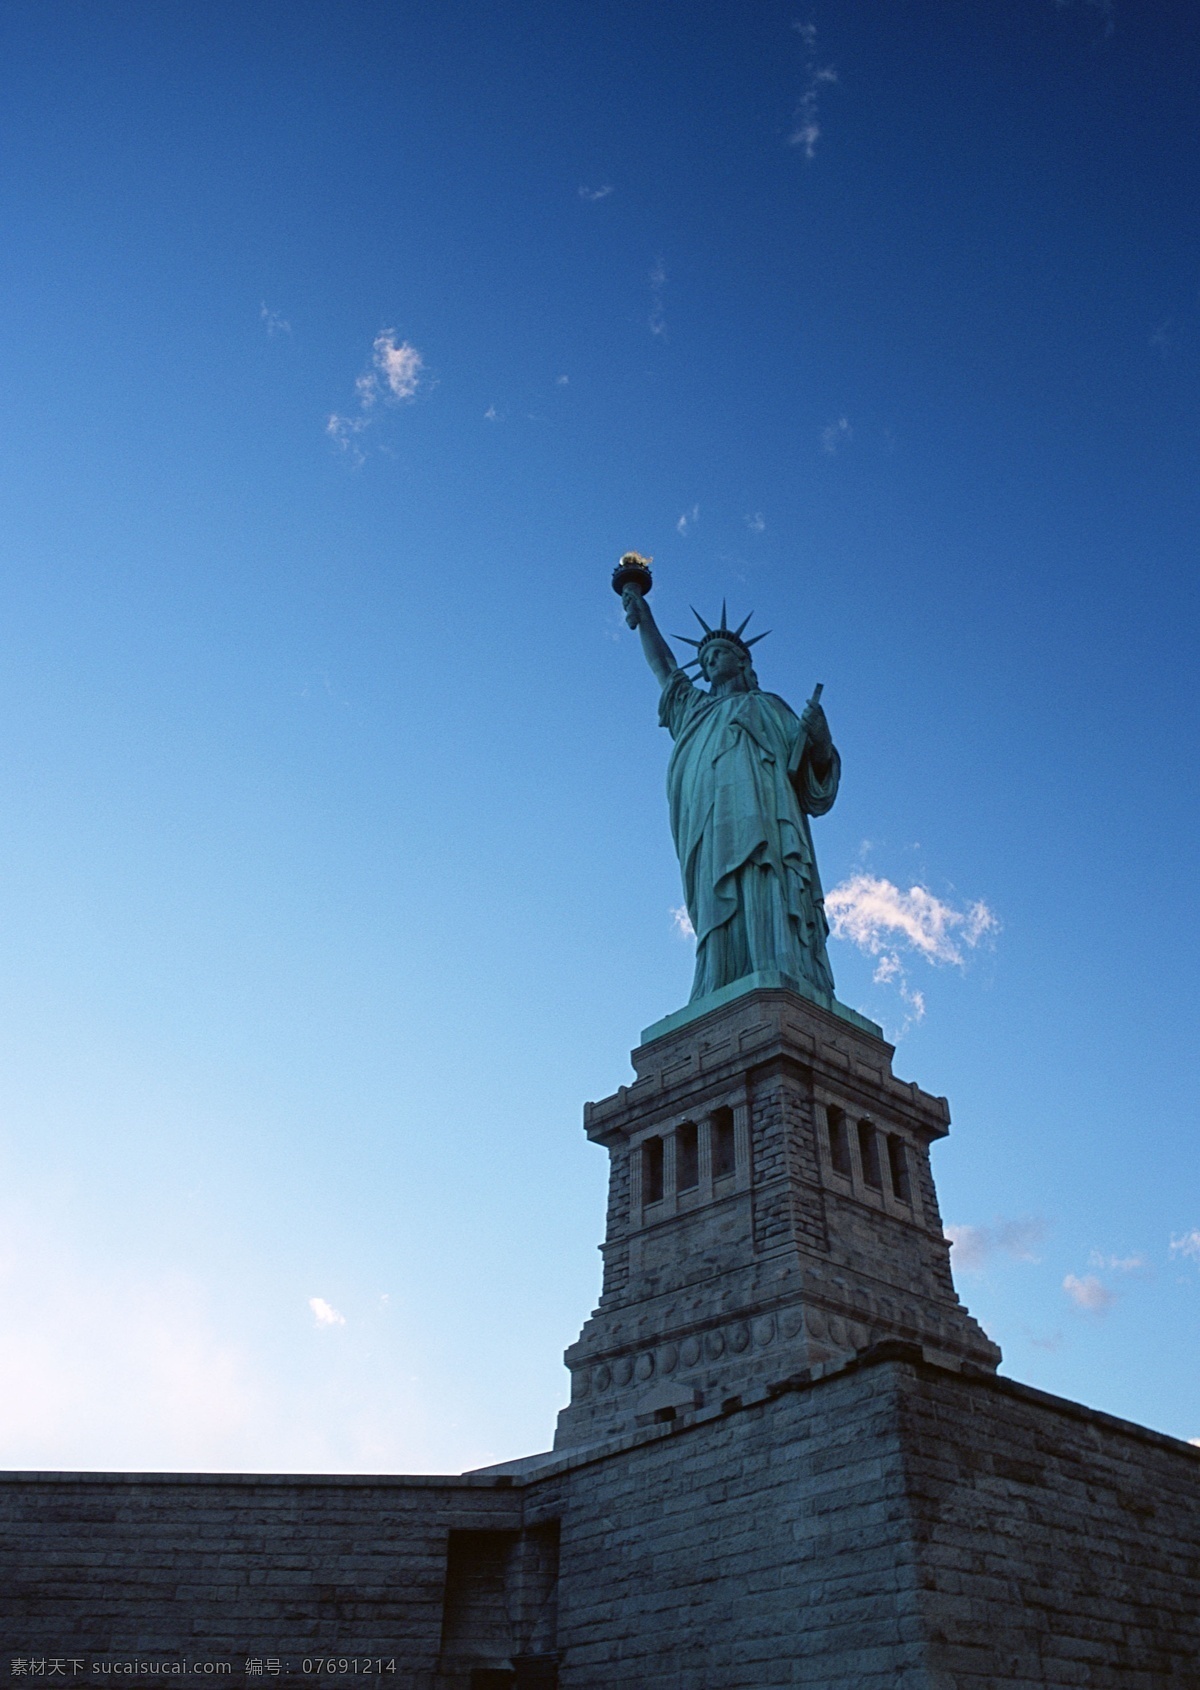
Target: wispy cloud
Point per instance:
(273, 322)
(1052, 1341)
(343, 431)
(683, 922)
(689, 519)
(873, 913)
(1089, 1293)
(393, 375)
(324, 1313)
(1188, 1245)
(806, 127)
(881, 920)
(889, 970)
(973, 1247)
(658, 281)
(835, 435)
(755, 522)
(562, 381)
(594, 194)
(491, 414)
(400, 366)
(1116, 1264)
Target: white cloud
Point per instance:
(343, 430)
(806, 128)
(1088, 1293)
(688, 520)
(274, 323)
(594, 194)
(889, 970)
(755, 523)
(968, 1247)
(683, 923)
(324, 1313)
(394, 374)
(562, 381)
(400, 366)
(973, 1247)
(1116, 1264)
(880, 919)
(1188, 1244)
(874, 914)
(658, 281)
(491, 414)
(835, 435)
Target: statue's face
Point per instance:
(722, 661)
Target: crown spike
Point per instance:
(723, 632)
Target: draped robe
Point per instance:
(741, 787)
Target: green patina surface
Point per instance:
(765, 979)
(746, 774)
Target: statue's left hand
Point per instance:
(816, 726)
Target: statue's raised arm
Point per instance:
(658, 653)
(745, 775)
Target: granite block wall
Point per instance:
(1055, 1545)
(768, 1547)
(225, 1569)
(896, 1522)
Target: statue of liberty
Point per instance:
(745, 775)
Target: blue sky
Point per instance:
(343, 350)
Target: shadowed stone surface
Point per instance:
(894, 1523)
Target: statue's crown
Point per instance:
(733, 636)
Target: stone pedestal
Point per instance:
(771, 1209)
(788, 1458)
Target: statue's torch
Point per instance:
(633, 571)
